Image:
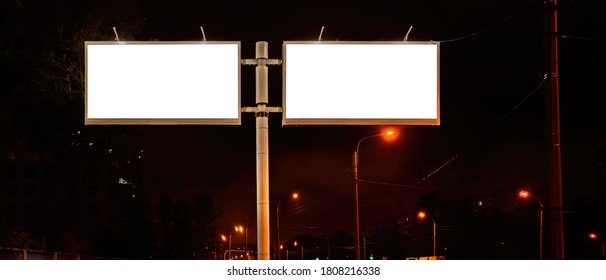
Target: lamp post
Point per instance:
(293, 196)
(228, 246)
(285, 249)
(595, 236)
(356, 162)
(423, 215)
(524, 194)
(244, 230)
(295, 244)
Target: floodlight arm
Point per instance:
(361, 140)
(356, 161)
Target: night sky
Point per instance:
(492, 131)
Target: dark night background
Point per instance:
(168, 192)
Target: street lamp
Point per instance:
(224, 238)
(422, 215)
(244, 230)
(524, 194)
(356, 162)
(294, 196)
(295, 244)
(595, 236)
(285, 248)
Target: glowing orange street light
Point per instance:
(422, 215)
(295, 244)
(295, 196)
(525, 194)
(244, 230)
(595, 236)
(224, 238)
(356, 162)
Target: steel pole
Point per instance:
(262, 128)
(357, 210)
(434, 238)
(364, 246)
(278, 231)
(540, 231)
(246, 241)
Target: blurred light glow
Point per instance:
(421, 215)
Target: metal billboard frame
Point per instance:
(161, 121)
(359, 121)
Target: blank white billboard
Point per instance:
(361, 83)
(162, 83)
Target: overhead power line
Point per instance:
(394, 184)
(478, 32)
(492, 127)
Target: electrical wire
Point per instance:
(493, 126)
(395, 185)
(478, 32)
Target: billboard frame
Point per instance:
(162, 121)
(358, 121)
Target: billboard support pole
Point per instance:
(262, 129)
(262, 134)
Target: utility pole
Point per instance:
(552, 106)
